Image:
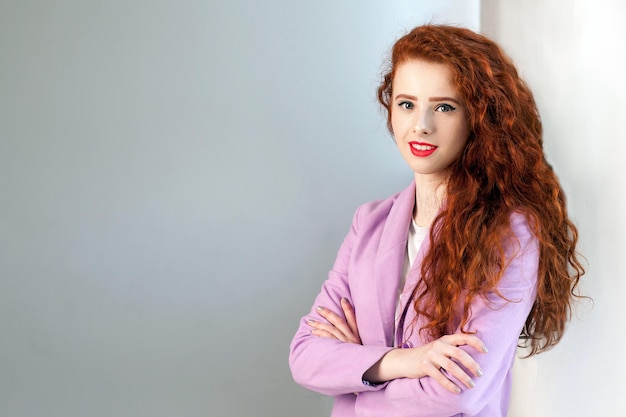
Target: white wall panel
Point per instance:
(572, 55)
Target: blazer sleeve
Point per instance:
(497, 321)
(325, 365)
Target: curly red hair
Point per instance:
(502, 170)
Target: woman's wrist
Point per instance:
(388, 367)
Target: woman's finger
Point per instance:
(339, 323)
(438, 375)
(460, 355)
(462, 339)
(348, 311)
(440, 354)
(455, 370)
(323, 333)
(326, 330)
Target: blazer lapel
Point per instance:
(390, 259)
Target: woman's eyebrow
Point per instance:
(414, 98)
(407, 96)
(444, 99)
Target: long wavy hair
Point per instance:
(502, 170)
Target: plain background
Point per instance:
(175, 180)
(176, 177)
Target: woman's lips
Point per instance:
(422, 149)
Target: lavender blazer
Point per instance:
(367, 272)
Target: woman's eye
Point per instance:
(406, 105)
(444, 108)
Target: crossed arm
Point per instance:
(327, 356)
(432, 359)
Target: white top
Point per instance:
(416, 237)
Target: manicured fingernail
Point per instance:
(311, 322)
(457, 390)
(479, 372)
(320, 308)
(471, 384)
(485, 349)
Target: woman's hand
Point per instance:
(439, 360)
(337, 327)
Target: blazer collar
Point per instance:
(396, 228)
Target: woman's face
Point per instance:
(429, 124)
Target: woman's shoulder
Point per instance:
(385, 205)
(522, 234)
(399, 205)
(520, 224)
(378, 206)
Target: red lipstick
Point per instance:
(422, 149)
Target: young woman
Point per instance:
(432, 288)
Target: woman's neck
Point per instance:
(429, 194)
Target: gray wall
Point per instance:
(572, 54)
(175, 179)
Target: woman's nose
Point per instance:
(424, 124)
